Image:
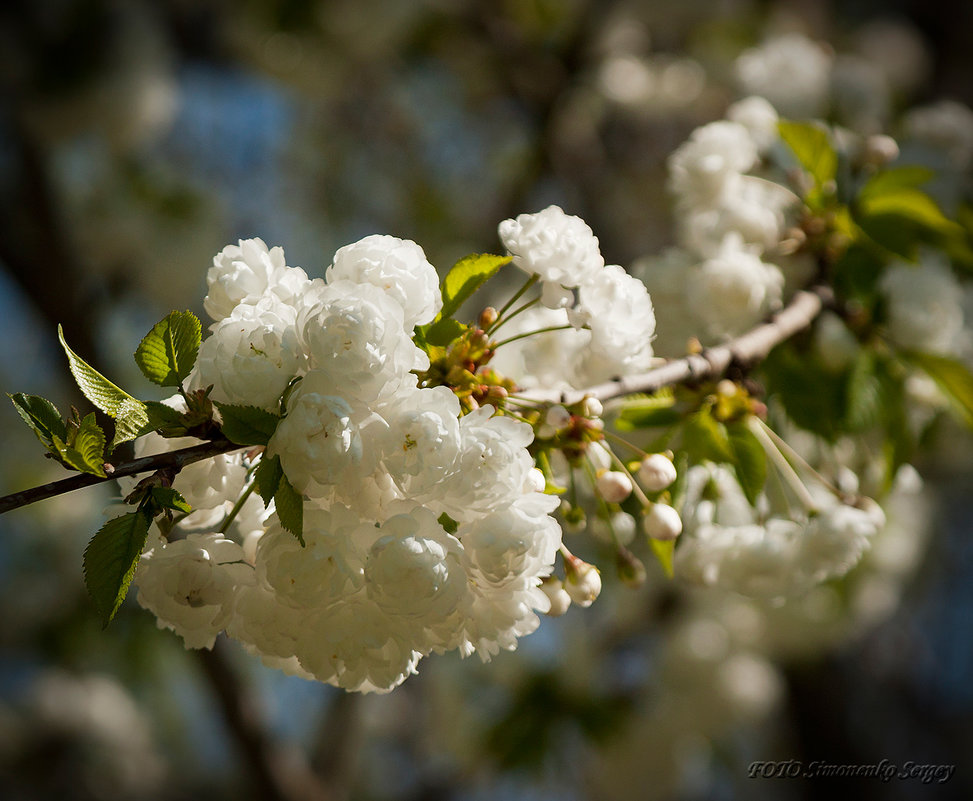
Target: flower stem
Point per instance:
(532, 333)
(531, 280)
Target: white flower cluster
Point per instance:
(760, 553)
(579, 289)
(716, 283)
(924, 305)
(382, 464)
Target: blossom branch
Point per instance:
(748, 348)
(171, 459)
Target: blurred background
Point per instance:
(138, 138)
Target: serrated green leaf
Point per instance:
(705, 438)
(167, 421)
(290, 508)
(110, 561)
(268, 477)
(166, 354)
(952, 377)
(467, 276)
(444, 331)
(812, 147)
(88, 451)
(131, 421)
(750, 460)
(247, 425)
(169, 498)
(664, 551)
(95, 387)
(41, 415)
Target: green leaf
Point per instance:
(87, 451)
(166, 354)
(247, 425)
(111, 558)
(467, 276)
(167, 421)
(290, 509)
(952, 377)
(750, 460)
(812, 396)
(649, 411)
(168, 498)
(910, 204)
(95, 387)
(811, 145)
(448, 523)
(864, 392)
(41, 415)
(909, 177)
(268, 477)
(444, 331)
(131, 421)
(705, 438)
(664, 551)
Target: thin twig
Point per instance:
(748, 348)
(171, 459)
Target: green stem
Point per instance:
(784, 467)
(514, 313)
(237, 507)
(532, 333)
(531, 280)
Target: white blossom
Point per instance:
(560, 248)
(710, 162)
(396, 266)
(924, 305)
(791, 71)
(190, 585)
(248, 271)
(251, 355)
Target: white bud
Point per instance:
(657, 472)
(583, 583)
(662, 522)
(557, 416)
(535, 481)
(623, 524)
(614, 486)
(593, 407)
(560, 600)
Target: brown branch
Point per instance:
(748, 348)
(277, 774)
(171, 459)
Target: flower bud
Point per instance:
(488, 317)
(631, 571)
(657, 472)
(545, 431)
(574, 517)
(535, 481)
(583, 582)
(614, 486)
(553, 588)
(557, 416)
(662, 522)
(593, 407)
(880, 150)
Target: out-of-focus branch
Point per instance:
(171, 459)
(747, 349)
(277, 774)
